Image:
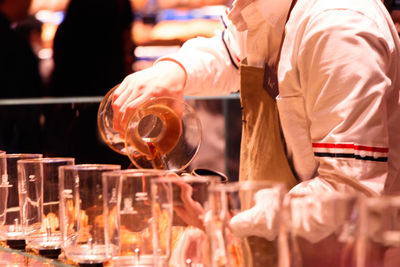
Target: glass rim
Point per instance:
(47, 160)
(94, 166)
(28, 155)
(136, 172)
(327, 195)
(245, 185)
(184, 178)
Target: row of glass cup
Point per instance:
(101, 214)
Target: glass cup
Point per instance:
(162, 133)
(11, 231)
(81, 213)
(39, 202)
(379, 240)
(127, 193)
(180, 206)
(320, 229)
(3, 187)
(244, 223)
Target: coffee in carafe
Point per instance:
(161, 133)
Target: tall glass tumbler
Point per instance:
(320, 229)
(244, 223)
(81, 213)
(3, 187)
(379, 241)
(12, 231)
(180, 207)
(39, 203)
(127, 193)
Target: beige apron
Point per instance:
(262, 154)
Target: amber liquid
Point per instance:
(155, 158)
(155, 133)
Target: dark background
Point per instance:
(70, 130)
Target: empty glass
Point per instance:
(81, 213)
(379, 242)
(180, 207)
(127, 193)
(162, 133)
(39, 202)
(244, 223)
(320, 229)
(11, 231)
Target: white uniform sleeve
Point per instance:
(211, 64)
(344, 64)
(340, 83)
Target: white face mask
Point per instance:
(263, 21)
(235, 14)
(277, 10)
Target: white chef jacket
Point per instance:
(339, 81)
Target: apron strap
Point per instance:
(270, 75)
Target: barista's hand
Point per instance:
(192, 245)
(262, 219)
(191, 211)
(314, 213)
(166, 78)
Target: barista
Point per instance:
(338, 73)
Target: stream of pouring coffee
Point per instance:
(156, 160)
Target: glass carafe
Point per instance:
(161, 133)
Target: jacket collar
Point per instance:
(273, 11)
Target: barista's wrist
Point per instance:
(183, 73)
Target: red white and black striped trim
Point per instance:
(351, 151)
